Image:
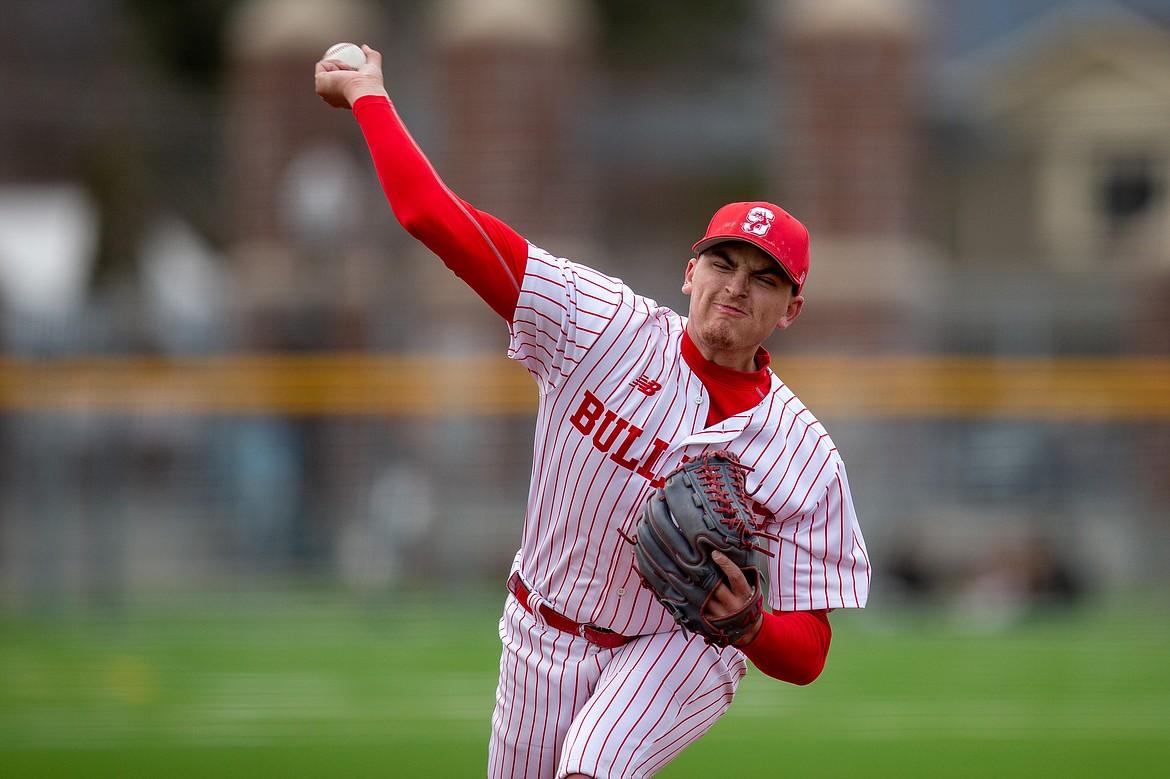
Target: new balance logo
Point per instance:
(646, 386)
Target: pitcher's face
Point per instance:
(739, 296)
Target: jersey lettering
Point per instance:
(604, 427)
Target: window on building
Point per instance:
(1129, 187)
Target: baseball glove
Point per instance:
(702, 507)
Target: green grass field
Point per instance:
(298, 684)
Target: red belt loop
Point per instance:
(606, 639)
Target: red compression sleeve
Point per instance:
(480, 249)
(792, 646)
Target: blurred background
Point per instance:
(223, 358)
(225, 366)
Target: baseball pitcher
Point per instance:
(687, 514)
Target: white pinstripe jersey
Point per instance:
(619, 409)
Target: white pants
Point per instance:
(566, 706)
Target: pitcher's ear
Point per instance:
(795, 306)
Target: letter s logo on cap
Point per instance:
(758, 221)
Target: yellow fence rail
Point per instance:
(886, 386)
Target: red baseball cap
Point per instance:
(767, 226)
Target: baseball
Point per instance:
(347, 53)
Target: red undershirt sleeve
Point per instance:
(792, 646)
(483, 251)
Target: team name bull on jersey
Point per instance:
(605, 429)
